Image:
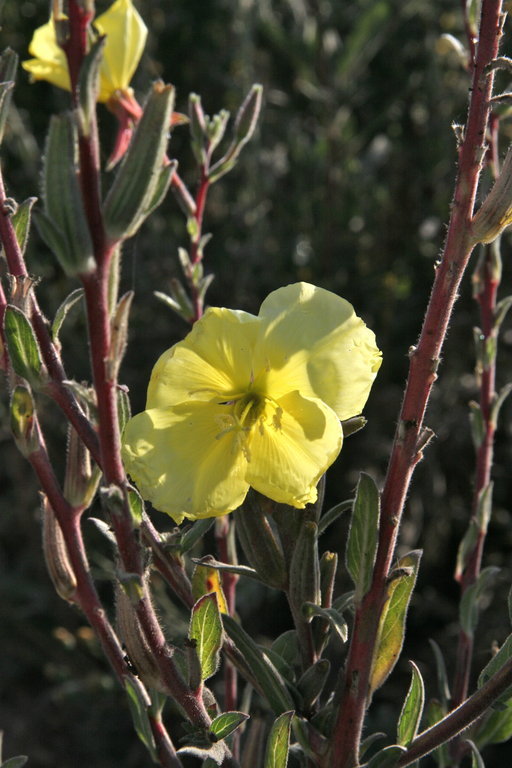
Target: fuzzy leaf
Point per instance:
(22, 345)
(362, 538)
(470, 603)
(226, 723)
(21, 222)
(278, 743)
(412, 709)
(333, 513)
(331, 615)
(387, 757)
(195, 533)
(63, 310)
(206, 630)
(138, 708)
(495, 727)
(269, 681)
(392, 622)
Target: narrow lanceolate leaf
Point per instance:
(435, 712)
(412, 709)
(206, 630)
(22, 346)
(8, 67)
(498, 401)
(502, 307)
(470, 603)
(476, 757)
(21, 222)
(495, 664)
(362, 538)
(278, 744)
(495, 727)
(442, 677)
(333, 513)
(63, 310)
(392, 622)
(226, 723)
(331, 615)
(267, 679)
(387, 757)
(90, 85)
(139, 703)
(139, 177)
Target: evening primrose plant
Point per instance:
(243, 418)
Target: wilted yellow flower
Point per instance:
(126, 36)
(251, 401)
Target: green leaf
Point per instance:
(470, 602)
(15, 762)
(260, 543)
(136, 505)
(363, 534)
(69, 302)
(369, 742)
(138, 702)
(206, 630)
(476, 757)
(434, 713)
(22, 346)
(226, 723)
(195, 533)
(498, 401)
(217, 752)
(335, 619)
(412, 709)
(495, 727)
(442, 677)
(495, 664)
(138, 178)
(123, 408)
(287, 646)
(21, 222)
(311, 683)
(392, 623)
(333, 513)
(501, 309)
(8, 67)
(476, 421)
(267, 679)
(89, 85)
(387, 757)
(242, 570)
(278, 744)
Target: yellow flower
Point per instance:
(251, 401)
(126, 36)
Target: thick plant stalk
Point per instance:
(424, 359)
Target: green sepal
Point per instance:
(412, 710)
(267, 679)
(61, 314)
(259, 542)
(363, 535)
(392, 622)
(278, 743)
(64, 224)
(139, 176)
(139, 703)
(223, 725)
(22, 346)
(8, 68)
(21, 222)
(387, 757)
(23, 425)
(206, 629)
(470, 603)
(89, 85)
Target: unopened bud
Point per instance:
(136, 645)
(495, 213)
(23, 423)
(259, 542)
(56, 555)
(81, 479)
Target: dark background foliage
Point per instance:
(346, 184)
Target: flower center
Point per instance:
(247, 411)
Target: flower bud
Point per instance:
(259, 542)
(81, 479)
(23, 424)
(305, 568)
(495, 213)
(56, 555)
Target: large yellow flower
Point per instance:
(251, 401)
(126, 37)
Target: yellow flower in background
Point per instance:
(251, 401)
(126, 37)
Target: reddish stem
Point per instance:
(424, 359)
(167, 756)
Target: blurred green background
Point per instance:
(346, 184)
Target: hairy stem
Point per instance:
(424, 359)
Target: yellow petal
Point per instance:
(49, 62)
(214, 359)
(126, 38)
(294, 448)
(312, 341)
(182, 463)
